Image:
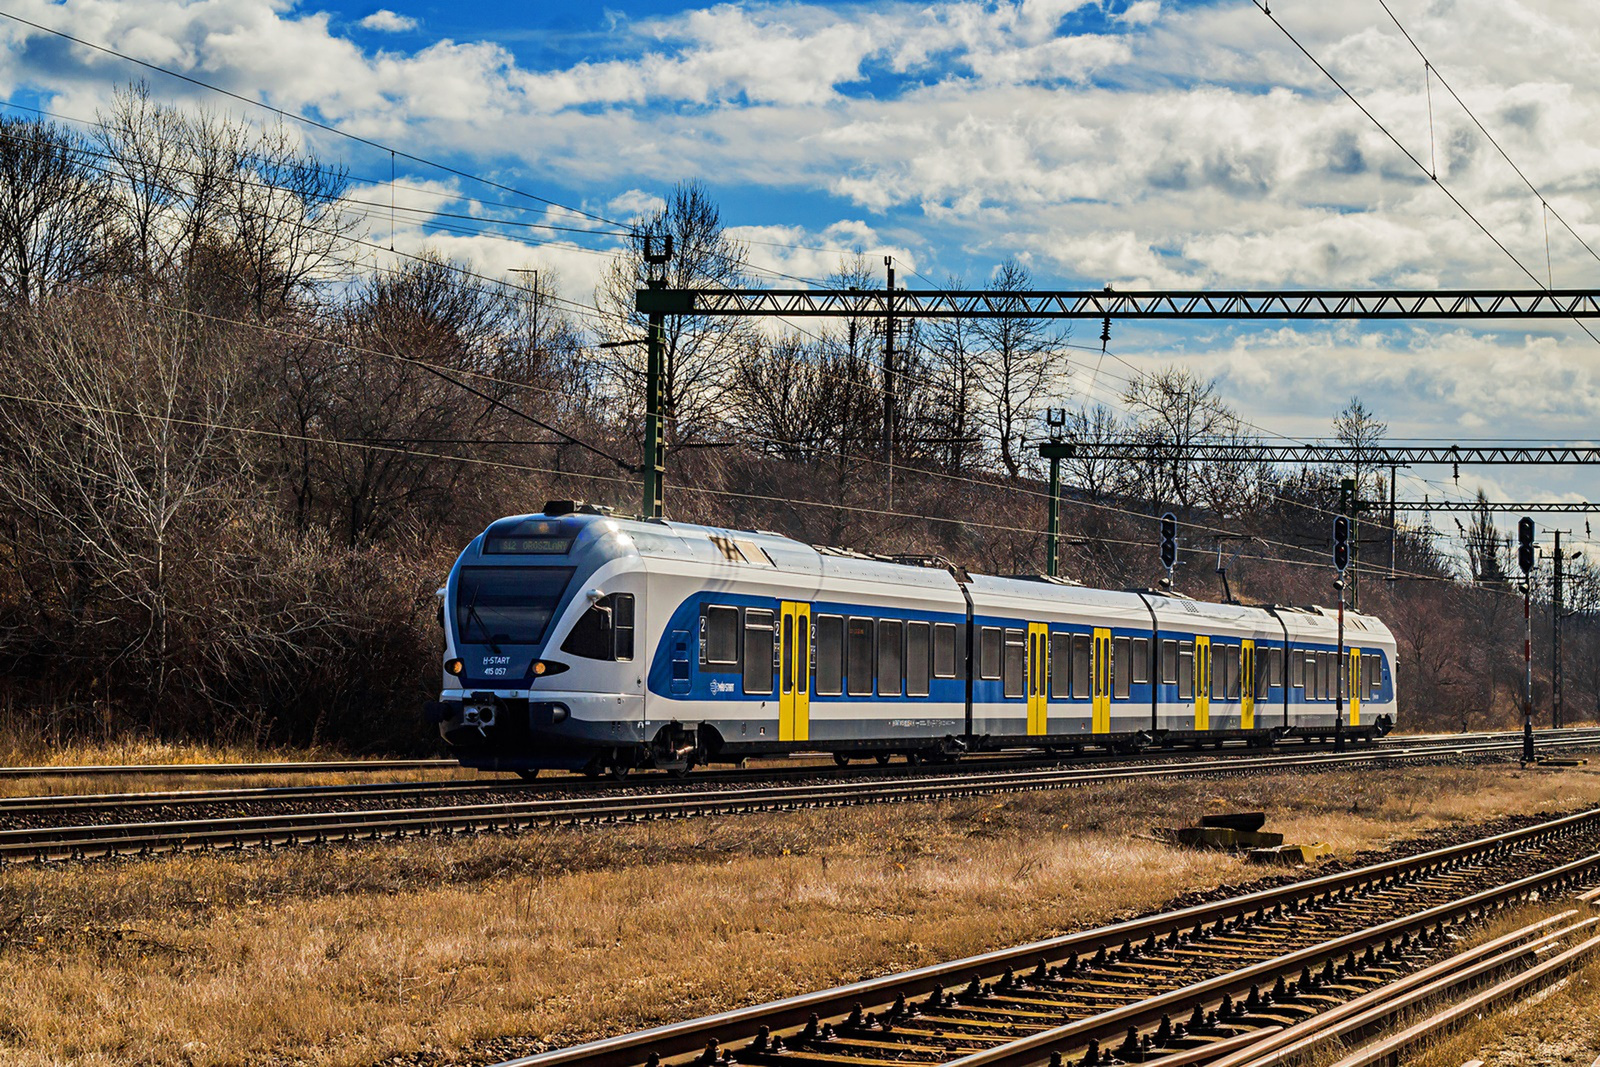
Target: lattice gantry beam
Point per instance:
(1099, 304)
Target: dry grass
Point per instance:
(351, 955)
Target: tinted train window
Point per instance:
(1060, 666)
(1141, 660)
(605, 631)
(1375, 685)
(919, 651)
(1233, 684)
(1297, 670)
(1275, 666)
(759, 651)
(1121, 667)
(719, 638)
(858, 657)
(830, 655)
(1185, 670)
(1266, 664)
(889, 666)
(989, 652)
(944, 650)
(1082, 673)
(1169, 663)
(1211, 669)
(1015, 664)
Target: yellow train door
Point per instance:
(1038, 679)
(1100, 713)
(1247, 685)
(794, 672)
(1352, 686)
(1202, 682)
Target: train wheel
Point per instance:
(841, 759)
(619, 771)
(883, 759)
(914, 758)
(528, 776)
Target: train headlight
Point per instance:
(455, 667)
(539, 667)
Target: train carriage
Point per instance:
(581, 641)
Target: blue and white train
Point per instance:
(576, 640)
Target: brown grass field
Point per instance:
(432, 950)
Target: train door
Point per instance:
(1247, 685)
(1202, 682)
(1038, 679)
(794, 673)
(1100, 713)
(1352, 685)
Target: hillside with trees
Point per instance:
(241, 444)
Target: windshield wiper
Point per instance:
(473, 616)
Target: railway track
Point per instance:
(1230, 983)
(103, 804)
(375, 766)
(44, 843)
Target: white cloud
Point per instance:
(385, 21)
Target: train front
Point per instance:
(540, 614)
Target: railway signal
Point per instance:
(1525, 544)
(1341, 544)
(1169, 544)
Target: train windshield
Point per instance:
(507, 605)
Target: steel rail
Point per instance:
(1387, 1050)
(1548, 740)
(350, 766)
(683, 1039)
(1462, 971)
(42, 844)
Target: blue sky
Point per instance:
(1146, 144)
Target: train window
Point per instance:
(1211, 669)
(605, 631)
(758, 651)
(1377, 677)
(1121, 667)
(1185, 670)
(1266, 660)
(944, 650)
(1060, 666)
(1082, 677)
(1141, 660)
(786, 654)
(890, 650)
(918, 652)
(1169, 663)
(1014, 664)
(1297, 670)
(1274, 670)
(858, 657)
(719, 637)
(830, 655)
(622, 621)
(1323, 667)
(989, 652)
(1330, 675)
(1233, 684)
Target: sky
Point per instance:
(1134, 143)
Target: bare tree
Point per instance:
(1096, 477)
(1021, 361)
(53, 210)
(1357, 427)
(700, 349)
(1486, 548)
(1173, 409)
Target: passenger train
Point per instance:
(581, 641)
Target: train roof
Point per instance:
(763, 550)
